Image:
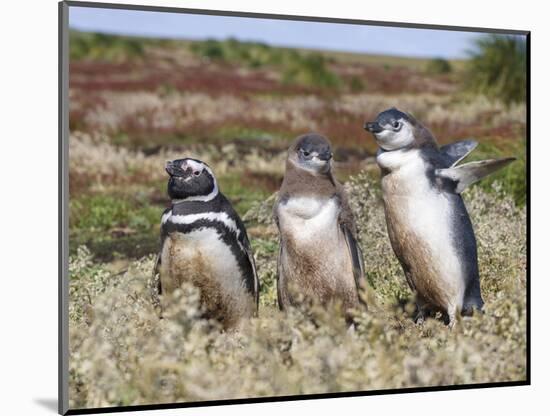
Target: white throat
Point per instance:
(398, 159)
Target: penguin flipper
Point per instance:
(245, 246)
(356, 257)
(457, 151)
(156, 270)
(163, 235)
(464, 175)
(250, 255)
(280, 302)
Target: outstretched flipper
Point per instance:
(465, 175)
(356, 259)
(455, 152)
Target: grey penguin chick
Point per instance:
(319, 258)
(428, 224)
(204, 242)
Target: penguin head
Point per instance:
(191, 180)
(311, 152)
(393, 129)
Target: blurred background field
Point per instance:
(136, 102)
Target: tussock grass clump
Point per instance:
(438, 66)
(498, 68)
(122, 354)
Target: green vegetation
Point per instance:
(114, 226)
(101, 213)
(250, 54)
(103, 47)
(356, 84)
(438, 66)
(498, 68)
(304, 68)
(241, 195)
(311, 70)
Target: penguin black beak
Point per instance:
(169, 167)
(373, 127)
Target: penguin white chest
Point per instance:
(314, 254)
(419, 220)
(202, 257)
(309, 219)
(206, 243)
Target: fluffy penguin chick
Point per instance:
(319, 258)
(428, 225)
(204, 242)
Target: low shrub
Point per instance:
(438, 66)
(122, 354)
(498, 68)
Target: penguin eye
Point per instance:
(304, 152)
(197, 172)
(395, 124)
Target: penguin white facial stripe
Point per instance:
(198, 166)
(205, 198)
(202, 198)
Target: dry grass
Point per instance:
(122, 354)
(142, 115)
(99, 166)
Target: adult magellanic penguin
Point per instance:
(204, 242)
(428, 225)
(319, 258)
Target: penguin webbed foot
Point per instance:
(450, 319)
(470, 309)
(419, 318)
(421, 313)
